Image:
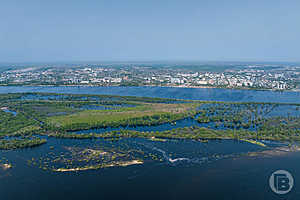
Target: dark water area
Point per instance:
(189, 170)
(172, 169)
(213, 94)
(213, 170)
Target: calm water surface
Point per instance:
(169, 92)
(209, 167)
(187, 170)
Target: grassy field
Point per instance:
(143, 114)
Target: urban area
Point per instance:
(282, 76)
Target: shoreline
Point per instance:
(278, 151)
(116, 164)
(161, 86)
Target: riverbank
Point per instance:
(162, 86)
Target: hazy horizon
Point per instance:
(170, 62)
(217, 62)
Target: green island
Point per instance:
(29, 119)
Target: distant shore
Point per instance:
(170, 86)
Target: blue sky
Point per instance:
(137, 30)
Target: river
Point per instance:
(184, 169)
(214, 94)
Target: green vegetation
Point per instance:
(194, 132)
(144, 115)
(21, 143)
(26, 117)
(10, 124)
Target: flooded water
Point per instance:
(171, 169)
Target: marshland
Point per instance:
(60, 135)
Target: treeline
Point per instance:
(87, 97)
(193, 132)
(236, 116)
(10, 144)
(9, 124)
